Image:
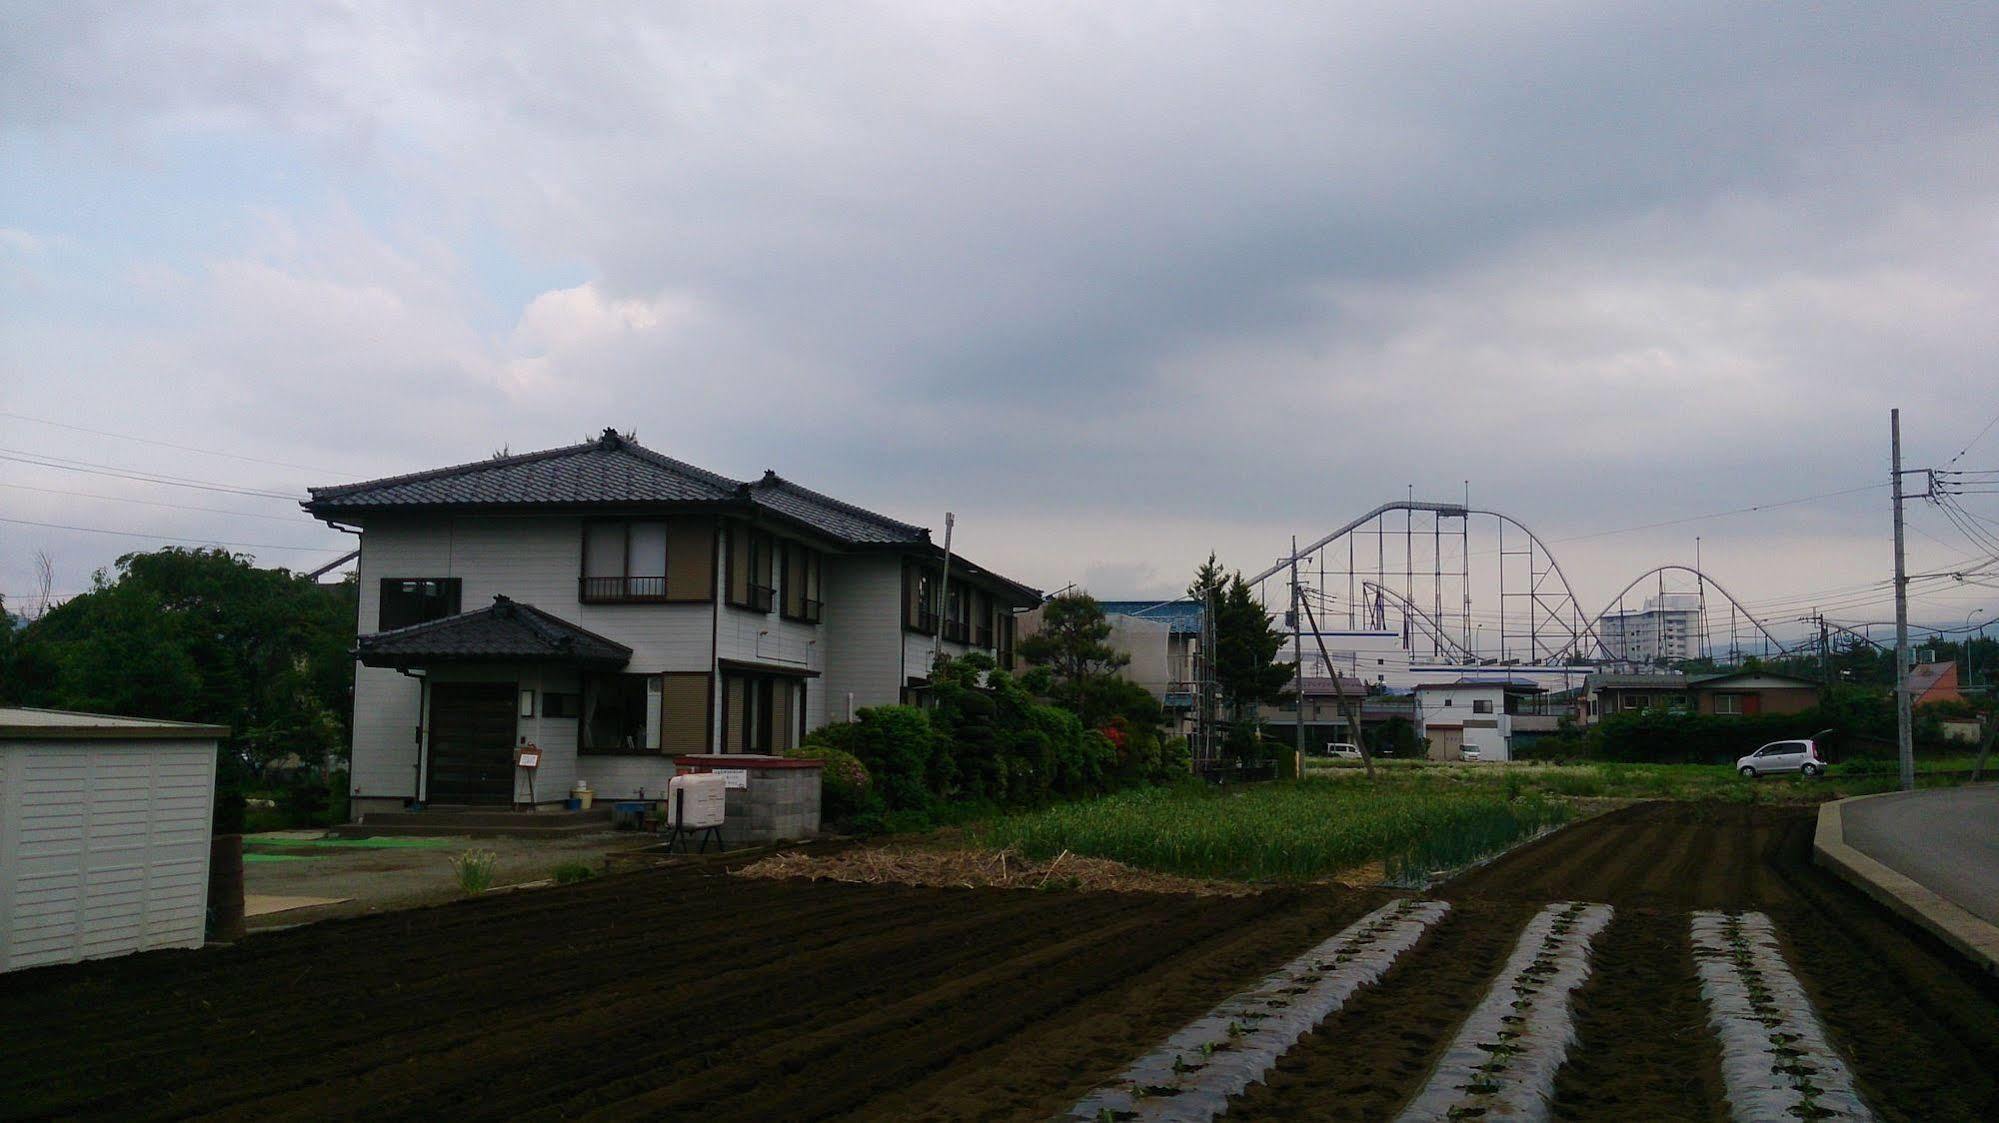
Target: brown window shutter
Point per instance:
(794, 579)
(735, 717)
(690, 560)
(683, 720)
(739, 564)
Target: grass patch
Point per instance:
(354, 843)
(1618, 780)
(1291, 831)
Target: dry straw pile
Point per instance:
(973, 869)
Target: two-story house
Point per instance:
(617, 608)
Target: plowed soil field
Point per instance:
(1919, 1026)
(691, 994)
(658, 994)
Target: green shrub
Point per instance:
(898, 748)
(844, 782)
(569, 873)
(304, 802)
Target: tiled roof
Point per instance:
(1923, 677)
(1322, 686)
(607, 472)
(1786, 681)
(1513, 684)
(504, 632)
(1672, 681)
(843, 521)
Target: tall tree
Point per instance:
(1072, 644)
(1209, 579)
(1246, 647)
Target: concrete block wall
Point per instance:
(781, 801)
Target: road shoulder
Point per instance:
(1968, 934)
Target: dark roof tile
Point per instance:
(505, 631)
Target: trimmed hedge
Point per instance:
(1862, 723)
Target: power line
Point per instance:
(167, 444)
(292, 519)
(43, 460)
(170, 538)
(1974, 440)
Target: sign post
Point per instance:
(528, 759)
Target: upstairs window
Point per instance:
(1481, 705)
(639, 561)
(417, 600)
(982, 619)
(624, 561)
(957, 614)
(801, 583)
(1004, 658)
(919, 600)
(751, 580)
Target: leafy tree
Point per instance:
(198, 635)
(1071, 644)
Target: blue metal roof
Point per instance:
(1183, 616)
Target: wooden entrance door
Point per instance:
(472, 742)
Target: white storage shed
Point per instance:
(104, 835)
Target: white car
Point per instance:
(1783, 756)
(1471, 752)
(1341, 750)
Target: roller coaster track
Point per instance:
(1730, 597)
(1566, 618)
(1551, 607)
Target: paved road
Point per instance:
(1946, 840)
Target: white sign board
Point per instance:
(734, 777)
(703, 796)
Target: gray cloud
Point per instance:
(1129, 283)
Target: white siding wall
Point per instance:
(1491, 742)
(103, 847)
(864, 636)
(532, 560)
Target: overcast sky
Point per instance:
(1117, 283)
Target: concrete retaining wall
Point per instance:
(1952, 924)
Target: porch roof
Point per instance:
(506, 631)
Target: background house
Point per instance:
(1748, 693)
(1474, 713)
(1934, 682)
(1607, 694)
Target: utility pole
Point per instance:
(1825, 652)
(1298, 657)
(1904, 735)
(943, 596)
(1350, 712)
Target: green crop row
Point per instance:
(1281, 831)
